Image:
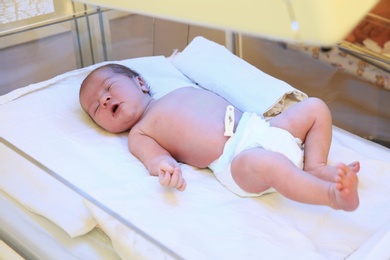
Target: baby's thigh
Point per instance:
(248, 169)
(299, 118)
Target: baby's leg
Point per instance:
(311, 121)
(255, 170)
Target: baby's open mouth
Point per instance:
(114, 108)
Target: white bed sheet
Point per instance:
(205, 221)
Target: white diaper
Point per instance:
(253, 131)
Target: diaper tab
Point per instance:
(229, 121)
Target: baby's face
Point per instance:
(114, 101)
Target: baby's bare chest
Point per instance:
(191, 132)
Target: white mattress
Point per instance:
(206, 221)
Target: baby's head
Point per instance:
(115, 97)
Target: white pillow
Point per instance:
(215, 68)
(159, 73)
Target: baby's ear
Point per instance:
(142, 83)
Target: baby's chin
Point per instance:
(116, 130)
(116, 125)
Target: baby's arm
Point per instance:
(157, 160)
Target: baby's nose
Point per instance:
(105, 100)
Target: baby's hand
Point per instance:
(170, 176)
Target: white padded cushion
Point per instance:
(215, 68)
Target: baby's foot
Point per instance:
(343, 193)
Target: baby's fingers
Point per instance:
(181, 185)
(178, 181)
(164, 178)
(174, 180)
(169, 180)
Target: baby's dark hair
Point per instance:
(116, 68)
(119, 69)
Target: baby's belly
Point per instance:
(200, 153)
